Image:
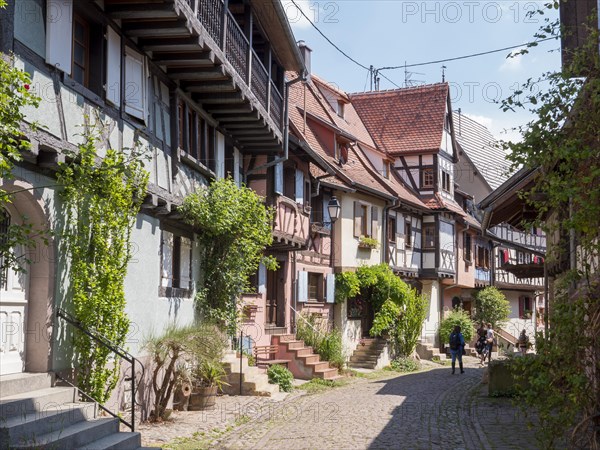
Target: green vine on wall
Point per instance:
(234, 227)
(15, 95)
(102, 197)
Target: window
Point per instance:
(386, 169)
(467, 246)
(486, 258)
(525, 308)
(176, 266)
(30, 24)
(315, 286)
(446, 181)
(360, 219)
(374, 222)
(429, 235)
(316, 210)
(408, 239)
(340, 108)
(480, 256)
(427, 178)
(289, 182)
(391, 229)
(81, 51)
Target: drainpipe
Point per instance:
(384, 242)
(286, 126)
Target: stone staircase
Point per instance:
(367, 354)
(304, 363)
(35, 415)
(428, 351)
(255, 381)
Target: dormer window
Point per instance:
(386, 169)
(446, 181)
(341, 152)
(427, 178)
(340, 108)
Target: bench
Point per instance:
(263, 353)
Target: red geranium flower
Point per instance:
(26, 86)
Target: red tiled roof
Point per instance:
(409, 120)
(438, 202)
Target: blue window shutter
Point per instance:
(299, 187)
(262, 278)
(59, 30)
(279, 178)
(302, 287)
(330, 294)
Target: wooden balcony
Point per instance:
(291, 227)
(200, 46)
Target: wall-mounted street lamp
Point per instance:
(334, 209)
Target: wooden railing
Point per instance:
(236, 47)
(231, 39)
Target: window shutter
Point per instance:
(279, 178)
(299, 187)
(167, 260)
(185, 260)
(374, 222)
(113, 67)
(59, 30)
(330, 293)
(357, 219)
(521, 306)
(135, 84)
(302, 287)
(262, 278)
(399, 226)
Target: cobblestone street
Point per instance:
(426, 410)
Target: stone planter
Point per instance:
(203, 398)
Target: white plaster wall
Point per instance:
(351, 329)
(346, 245)
(148, 312)
(431, 290)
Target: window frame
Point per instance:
(427, 178)
(408, 237)
(446, 181)
(318, 287)
(428, 226)
(467, 247)
(79, 19)
(176, 289)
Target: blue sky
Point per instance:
(392, 32)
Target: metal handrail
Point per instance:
(124, 354)
(319, 332)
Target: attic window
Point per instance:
(341, 152)
(340, 108)
(386, 169)
(447, 123)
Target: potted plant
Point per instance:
(367, 242)
(208, 378)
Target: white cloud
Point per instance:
(483, 120)
(295, 17)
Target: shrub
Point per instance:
(460, 318)
(282, 376)
(405, 365)
(491, 306)
(313, 330)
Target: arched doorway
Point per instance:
(14, 289)
(27, 297)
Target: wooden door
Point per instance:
(275, 297)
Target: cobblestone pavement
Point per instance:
(425, 410)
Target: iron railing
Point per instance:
(123, 354)
(260, 81)
(236, 47)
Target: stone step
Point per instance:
(309, 359)
(77, 435)
(304, 351)
(116, 441)
(51, 418)
(356, 359)
(367, 352)
(294, 345)
(362, 365)
(321, 365)
(326, 374)
(35, 400)
(18, 383)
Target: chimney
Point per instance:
(305, 51)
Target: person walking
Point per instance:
(480, 344)
(489, 341)
(457, 345)
(523, 342)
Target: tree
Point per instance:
(234, 228)
(491, 306)
(454, 318)
(563, 144)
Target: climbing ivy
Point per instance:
(15, 95)
(102, 197)
(563, 144)
(234, 228)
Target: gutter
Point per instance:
(286, 126)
